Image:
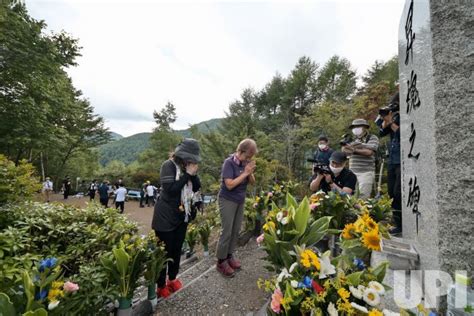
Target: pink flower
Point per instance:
(270, 194)
(70, 287)
(255, 205)
(260, 239)
(277, 296)
(313, 206)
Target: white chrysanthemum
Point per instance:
(279, 216)
(53, 305)
(278, 232)
(326, 267)
(294, 283)
(371, 297)
(359, 307)
(284, 220)
(377, 287)
(357, 293)
(387, 312)
(332, 311)
(293, 266)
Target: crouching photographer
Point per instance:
(336, 178)
(388, 122)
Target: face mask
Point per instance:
(357, 131)
(336, 170)
(322, 146)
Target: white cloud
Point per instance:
(200, 56)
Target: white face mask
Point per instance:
(322, 146)
(357, 131)
(336, 170)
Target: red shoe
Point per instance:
(174, 285)
(225, 269)
(163, 292)
(234, 263)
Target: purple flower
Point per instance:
(41, 295)
(359, 263)
(47, 263)
(306, 283)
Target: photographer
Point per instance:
(361, 153)
(338, 178)
(323, 152)
(389, 124)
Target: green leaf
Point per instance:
(354, 278)
(6, 306)
(122, 259)
(302, 216)
(291, 201)
(317, 231)
(37, 312)
(380, 270)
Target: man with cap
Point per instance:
(361, 154)
(323, 152)
(342, 180)
(47, 188)
(175, 208)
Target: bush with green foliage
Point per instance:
(17, 182)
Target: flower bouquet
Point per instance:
(204, 230)
(125, 265)
(192, 236)
(316, 285)
(289, 226)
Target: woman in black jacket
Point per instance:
(175, 208)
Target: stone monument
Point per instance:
(436, 64)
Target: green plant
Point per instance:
(125, 265)
(17, 182)
(192, 235)
(155, 259)
(204, 230)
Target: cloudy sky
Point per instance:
(200, 55)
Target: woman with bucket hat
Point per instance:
(174, 209)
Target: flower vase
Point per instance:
(125, 307)
(152, 294)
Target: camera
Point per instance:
(346, 139)
(320, 167)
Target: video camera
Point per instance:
(394, 108)
(346, 139)
(320, 167)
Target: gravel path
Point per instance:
(206, 292)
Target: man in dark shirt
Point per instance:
(323, 152)
(389, 124)
(104, 193)
(342, 180)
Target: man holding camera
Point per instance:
(389, 124)
(337, 178)
(361, 152)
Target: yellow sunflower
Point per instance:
(310, 259)
(359, 225)
(375, 312)
(371, 239)
(347, 232)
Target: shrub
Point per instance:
(17, 182)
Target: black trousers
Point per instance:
(395, 192)
(121, 205)
(173, 241)
(149, 200)
(104, 201)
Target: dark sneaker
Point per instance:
(163, 292)
(225, 269)
(234, 263)
(174, 285)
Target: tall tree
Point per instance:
(336, 81)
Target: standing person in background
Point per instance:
(389, 124)
(237, 172)
(120, 195)
(175, 208)
(142, 194)
(47, 189)
(323, 152)
(361, 152)
(66, 187)
(150, 194)
(93, 186)
(104, 193)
